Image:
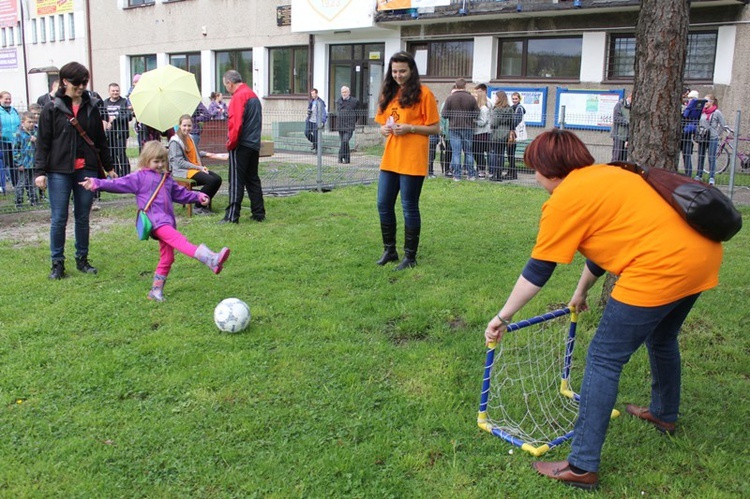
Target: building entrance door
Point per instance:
(359, 67)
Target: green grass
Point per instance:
(351, 381)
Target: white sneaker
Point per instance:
(711, 181)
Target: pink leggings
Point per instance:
(171, 239)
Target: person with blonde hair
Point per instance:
(501, 124)
(152, 169)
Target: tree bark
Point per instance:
(661, 34)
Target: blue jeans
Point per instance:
(59, 187)
(711, 146)
(622, 330)
(389, 185)
(462, 139)
(686, 146)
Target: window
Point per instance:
(11, 36)
(138, 3)
(43, 29)
(34, 33)
(450, 59)
(52, 29)
(288, 70)
(621, 57)
(4, 37)
(189, 62)
(61, 24)
(71, 26)
(139, 64)
(701, 55)
(699, 61)
(239, 60)
(554, 58)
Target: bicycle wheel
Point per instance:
(723, 157)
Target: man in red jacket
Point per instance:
(243, 143)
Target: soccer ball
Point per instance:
(232, 315)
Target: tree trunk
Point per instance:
(661, 35)
(660, 47)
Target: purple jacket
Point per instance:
(143, 183)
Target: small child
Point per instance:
(152, 163)
(24, 153)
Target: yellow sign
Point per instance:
(47, 7)
(394, 4)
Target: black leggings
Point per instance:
(210, 182)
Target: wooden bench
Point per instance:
(188, 184)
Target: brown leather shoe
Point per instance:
(645, 414)
(560, 470)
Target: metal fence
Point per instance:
(293, 165)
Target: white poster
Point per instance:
(309, 16)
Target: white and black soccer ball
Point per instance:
(232, 315)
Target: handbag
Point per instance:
(521, 133)
(74, 121)
(512, 137)
(143, 225)
(704, 207)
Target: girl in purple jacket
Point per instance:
(152, 163)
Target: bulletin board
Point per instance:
(587, 109)
(533, 100)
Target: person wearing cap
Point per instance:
(690, 117)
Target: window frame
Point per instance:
(219, 73)
(52, 29)
(61, 27)
(145, 59)
(43, 30)
(34, 32)
(610, 76)
(139, 3)
(71, 26)
(431, 46)
(295, 79)
(188, 57)
(525, 59)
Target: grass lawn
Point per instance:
(351, 381)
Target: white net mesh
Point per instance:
(524, 398)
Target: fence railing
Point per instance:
(351, 155)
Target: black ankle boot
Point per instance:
(389, 244)
(82, 264)
(411, 243)
(58, 271)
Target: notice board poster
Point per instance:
(587, 109)
(533, 100)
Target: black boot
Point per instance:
(389, 244)
(411, 243)
(82, 264)
(58, 270)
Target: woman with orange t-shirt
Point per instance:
(408, 115)
(621, 225)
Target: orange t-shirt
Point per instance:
(614, 218)
(407, 154)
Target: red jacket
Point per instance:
(245, 119)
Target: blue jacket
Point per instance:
(9, 122)
(24, 150)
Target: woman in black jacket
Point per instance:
(64, 159)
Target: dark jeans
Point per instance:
(497, 157)
(26, 182)
(9, 172)
(410, 186)
(431, 153)
(686, 146)
(311, 132)
(210, 181)
(707, 148)
(60, 186)
(481, 149)
(622, 330)
(243, 174)
(344, 151)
